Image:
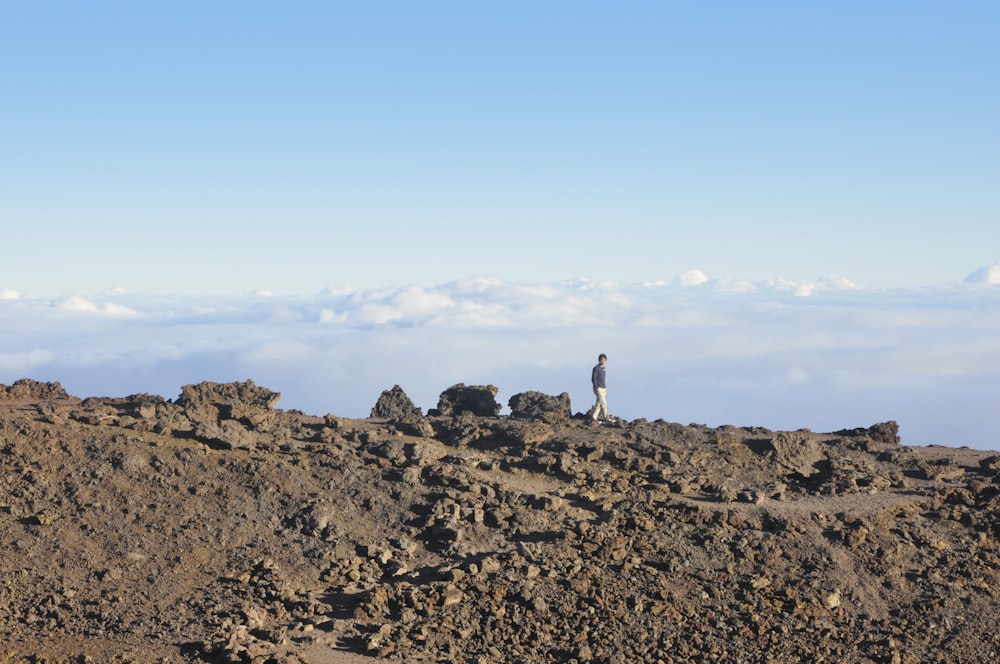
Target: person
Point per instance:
(597, 379)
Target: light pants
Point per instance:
(601, 407)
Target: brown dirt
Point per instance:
(215, 528)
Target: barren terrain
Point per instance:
(214, 527)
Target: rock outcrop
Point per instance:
(464, 399)
(32, 390)
(539, 406)
(230, 415)
(395, 405)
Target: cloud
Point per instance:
(989, 275)
(807, 288)
(729, 351)
(9, 294)
(693, 278)
(23, 361)
(82, 305)
(330, 316)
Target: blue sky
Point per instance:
(773, 213)
(221, 147)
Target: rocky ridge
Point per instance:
(216, 528)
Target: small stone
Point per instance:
(452, 596)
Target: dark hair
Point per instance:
(602, 356)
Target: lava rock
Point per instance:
(463, 399)
(539, 406)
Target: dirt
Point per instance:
(217, 528)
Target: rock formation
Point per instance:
(395, 405)
(538, 406)
(468, 399)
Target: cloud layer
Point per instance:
(824, 355)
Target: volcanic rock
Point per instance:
(230, 415)
(211, 402)
(27, 389)
(464, 399)
(539, 406)
(219, 529)
(395, 405)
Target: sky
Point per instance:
(728, 198)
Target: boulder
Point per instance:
(230, 415)
(395, 405)
(209, 403)
(796, 452)
(27, 389)
(463, 399)
(883, 432)
(539, 406)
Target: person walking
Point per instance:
(597, 379)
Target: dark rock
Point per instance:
(395, 405)
(463, 399)
(539, 406)
(990, 463)
(144, 406)
(883, 432)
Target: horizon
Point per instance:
(825, 355)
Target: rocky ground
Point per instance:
(216, 528)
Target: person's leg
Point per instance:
(595, 413)
(601, 410)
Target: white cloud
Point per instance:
(835, 282)
(80, 304)
(989, 275)
(379, 314)
(9, 294)
(416, 301)
(804, 290)
(77, 303)
(693, 278)
(336, 292)
(730, 351)
(736, 286)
